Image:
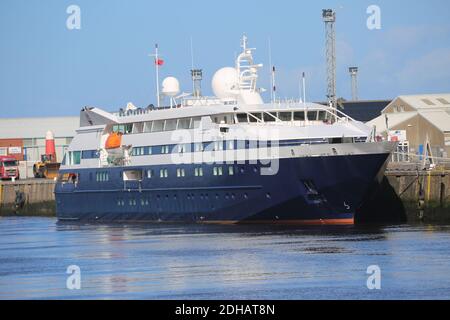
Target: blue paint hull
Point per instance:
(305, 190)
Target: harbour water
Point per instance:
(171, 261)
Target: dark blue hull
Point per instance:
(305, 190)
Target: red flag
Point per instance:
(159, 62)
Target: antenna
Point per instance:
(353, 74)
(270, 70)
(158, 62)
(304, 87)
(329, 17)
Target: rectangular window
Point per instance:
(164, 149)
(218, 145)
(163, 173)
(299, 116)
(312, 115)
(230, 170)
(184, 123)
(285, 116)
(322, 116)
(254, 117)
(195, 123)
(230, 144)
(158, 126)
(128, 128)
(198, 147)
(180, 172)
(76, 157)
(198, 172)
(242, 117)
(138, 127)
(170, 125)
(148, 126)
(217, 171)
(89, 154)
(138, 151)
(149, 173)
(268, 117)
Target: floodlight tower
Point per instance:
(353, 74)
(197, 75)
(329, 17)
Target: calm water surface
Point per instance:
(221, 262)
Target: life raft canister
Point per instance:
(114, 140)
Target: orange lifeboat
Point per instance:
(114, 140)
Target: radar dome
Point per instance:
(225, 82)
(170, 86)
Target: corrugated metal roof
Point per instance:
(440, 119)
(425, 101)
(27, 128)
(393, 120)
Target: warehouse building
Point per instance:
(24, 138)
(414, 119)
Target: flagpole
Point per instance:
(157, 74)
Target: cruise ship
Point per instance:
(227, 158)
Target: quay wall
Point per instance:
(35, 198)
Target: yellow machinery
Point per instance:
(47, 167)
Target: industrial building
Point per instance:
(414, 119)
(24, 138)
(361, 110)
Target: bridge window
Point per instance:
(285, 116)
(170, 125)
(184, 123)
(255, 117)
(148, 126)
(138, 127)
(158, 126)
(268, 117)
(299, 116)
(312, 115)
(322, 116)
(242, 117)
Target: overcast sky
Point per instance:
(47, 69)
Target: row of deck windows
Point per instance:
(194, 122)
(158, 125)
(202, 196)
(181, 172)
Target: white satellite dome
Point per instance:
(225, 82)
(170, 86)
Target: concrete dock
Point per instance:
(404, 196)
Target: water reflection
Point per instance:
(218, 261)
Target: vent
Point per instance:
(428, 102)
(443, 101)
